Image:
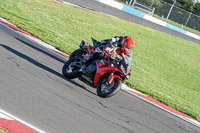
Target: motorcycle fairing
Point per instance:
(103, 68)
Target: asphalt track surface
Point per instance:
(129, 17)
(33, 89)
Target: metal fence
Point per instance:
(144, 8)
(169, 11)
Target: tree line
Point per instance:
(188, 5)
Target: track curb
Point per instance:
(11, 124)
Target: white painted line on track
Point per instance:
(6, 115)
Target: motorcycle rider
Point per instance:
(115, 48)
(119, 46)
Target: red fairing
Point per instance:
(101, 70)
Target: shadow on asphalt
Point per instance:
(41, 50)
(40, 65)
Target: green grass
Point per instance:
(1, 131)
(164, 67)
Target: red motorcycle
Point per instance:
(105, 74)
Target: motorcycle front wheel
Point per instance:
(105, 90)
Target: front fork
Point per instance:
(112, 77)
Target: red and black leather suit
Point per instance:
(110, 47)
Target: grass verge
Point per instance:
(164, 67)
(1, 131)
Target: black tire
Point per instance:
(76, 53)
(117, 83)
(74, 72)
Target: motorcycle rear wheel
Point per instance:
(106, 91)
(68, 71)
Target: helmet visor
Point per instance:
(127, 49)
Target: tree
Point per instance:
(185, 4)
(169, 1)
(196, 8)
(189, 4)
(156, 3)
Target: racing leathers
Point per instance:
(110, 47)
